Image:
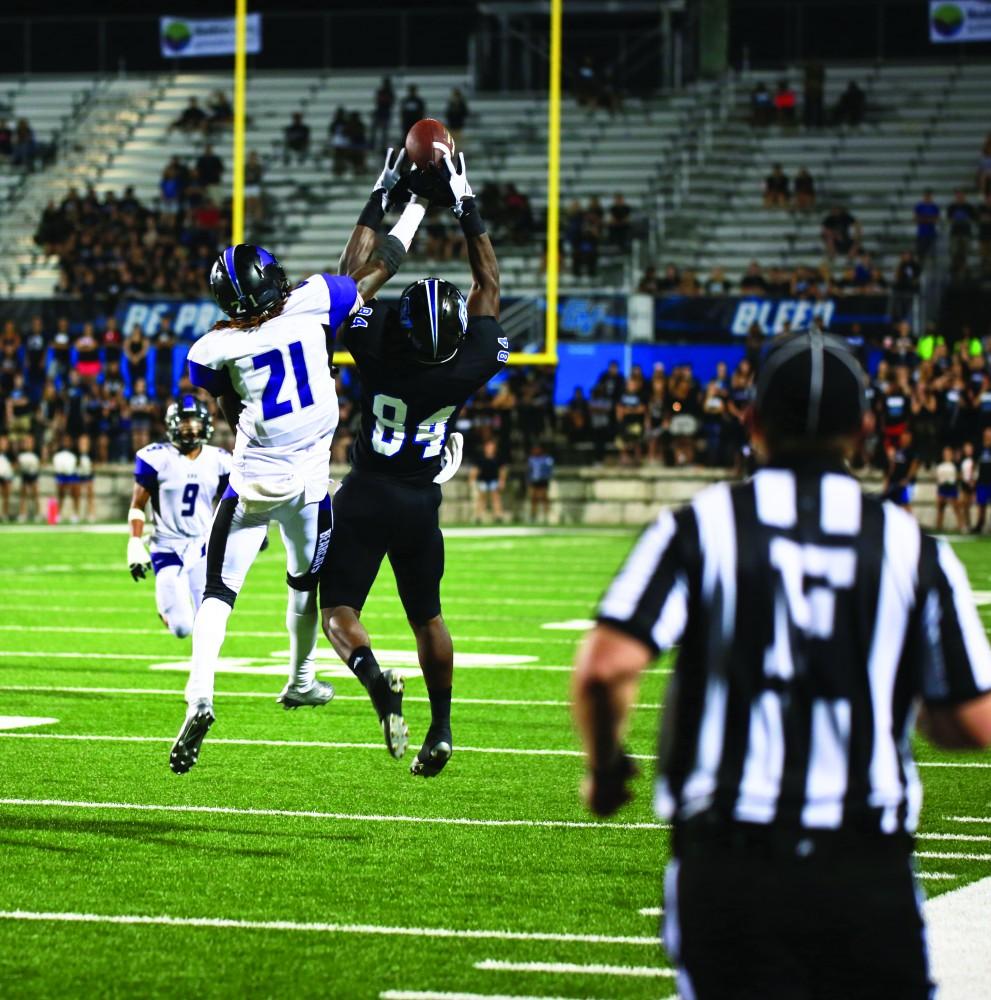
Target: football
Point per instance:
(426, 142)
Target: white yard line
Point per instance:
(975, 837)
(651, 911)
(937, 876)
(459, 995)
(967, 819)
(178, 693)
(299, 744)
(225, 923)
(573, 968)
(957, 932)
(315, 814)
(943, 855)
(24, 721)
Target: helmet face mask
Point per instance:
(434, 316)
(247, 280)
(188, 424)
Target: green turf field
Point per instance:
(297, 858)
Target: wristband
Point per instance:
(136, 515)
(373, 213)
(470, 219)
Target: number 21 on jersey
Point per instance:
(389, 434)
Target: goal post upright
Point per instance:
(240, 88)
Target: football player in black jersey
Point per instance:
(417, 365)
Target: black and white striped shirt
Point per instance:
(810, 618)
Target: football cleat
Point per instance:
(318, 693)
(186, 749)
(433, 756)
(387, 697)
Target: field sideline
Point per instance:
(297, 857)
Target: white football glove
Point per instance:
(389, 177)
(451, 461)
(458, 181)
(138, 560)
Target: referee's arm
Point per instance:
(956, 709)
(643, 612)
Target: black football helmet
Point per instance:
(434, 315)
(247, 280)
(188, 424)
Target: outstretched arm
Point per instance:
(361, 244)
(483, 299)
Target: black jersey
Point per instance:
(408, 408)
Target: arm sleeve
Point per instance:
(648, 600)
(145, 472)
(343, 294)
(956, 660)
(206, 371)
(486, 350)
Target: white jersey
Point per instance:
(182, 491)
(281, 372)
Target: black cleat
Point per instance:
(186, 749)
(387, 697)
(434, 754)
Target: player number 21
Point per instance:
(389, 434)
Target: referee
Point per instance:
(815, 626)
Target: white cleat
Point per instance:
(318, 693)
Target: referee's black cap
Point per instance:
(811, 386)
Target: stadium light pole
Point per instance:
(240, 74)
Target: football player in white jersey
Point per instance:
(182, 479)
(269, 366)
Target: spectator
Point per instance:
(669, 281)
(143, 412)
(805, 191)
(984, 235)
(984, 167)
(24, 149)
(35, 356)
(456, 114)
(689, 284)
(254, 176)
(753, 281)
(170, 190)
(6, 477)
(815, 86)
(657, 416)
(587, 86)
(611, 382)
(87, 349)
(412, 109)
(220, 112)
(339, 141)
(61, 351)
(776, 188)
(761, 105)
(84, 473)
(648, 284)
(576, 417)
(19, 408)
(136, 355)
(164, 360)
(540, 469)
(582, 231)
(851, 105)
(785, 103)
(29, 468)
(209, 171)
(488, 480)
(297, 137)
(715, 417)
(717, 283)
(113, 343)
(619, 225)
(517, 215)
(192, 119)
(685, 409)
(385, 97)
(962, 219)
(6, 140)
(357, 143)
(841, 233)
(926, 220)
(631, 416)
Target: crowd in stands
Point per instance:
(780, 106)
(20, 148)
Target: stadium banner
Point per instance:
(190, 318)
(962, 21)
(689, 318)
(186, 37)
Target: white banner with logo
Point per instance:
(185, 37)
(960, 20)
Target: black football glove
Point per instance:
(605, 788)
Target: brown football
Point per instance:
(423, 140)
